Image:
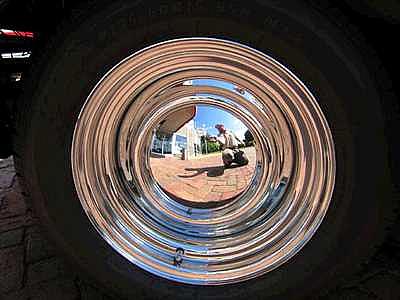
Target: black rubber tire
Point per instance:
(293, 34)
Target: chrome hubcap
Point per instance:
(264, 226)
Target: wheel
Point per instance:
(316, 204)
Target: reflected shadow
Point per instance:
(211, 171)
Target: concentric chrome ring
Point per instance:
(266, 225)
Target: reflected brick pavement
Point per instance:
(203, 179)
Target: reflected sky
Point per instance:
(207, 116)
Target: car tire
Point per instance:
(301, 39)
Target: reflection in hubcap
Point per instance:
(120, 167)
(198, 161)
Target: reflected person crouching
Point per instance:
(230, 147)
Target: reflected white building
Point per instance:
(185, 142)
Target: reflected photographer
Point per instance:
(186, 151)
(230, 147)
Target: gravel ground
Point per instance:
(29, 268)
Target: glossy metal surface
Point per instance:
(260, 230)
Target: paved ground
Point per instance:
(204, 179)
(30, 269)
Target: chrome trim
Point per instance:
(266, 225)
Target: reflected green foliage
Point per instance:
(248, 138)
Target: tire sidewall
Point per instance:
(330, 70)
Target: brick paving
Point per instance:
(30, 269)
(203, 179)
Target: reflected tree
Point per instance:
(248, 138)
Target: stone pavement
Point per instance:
(29, 266)
(30, 269)
(203, 179)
